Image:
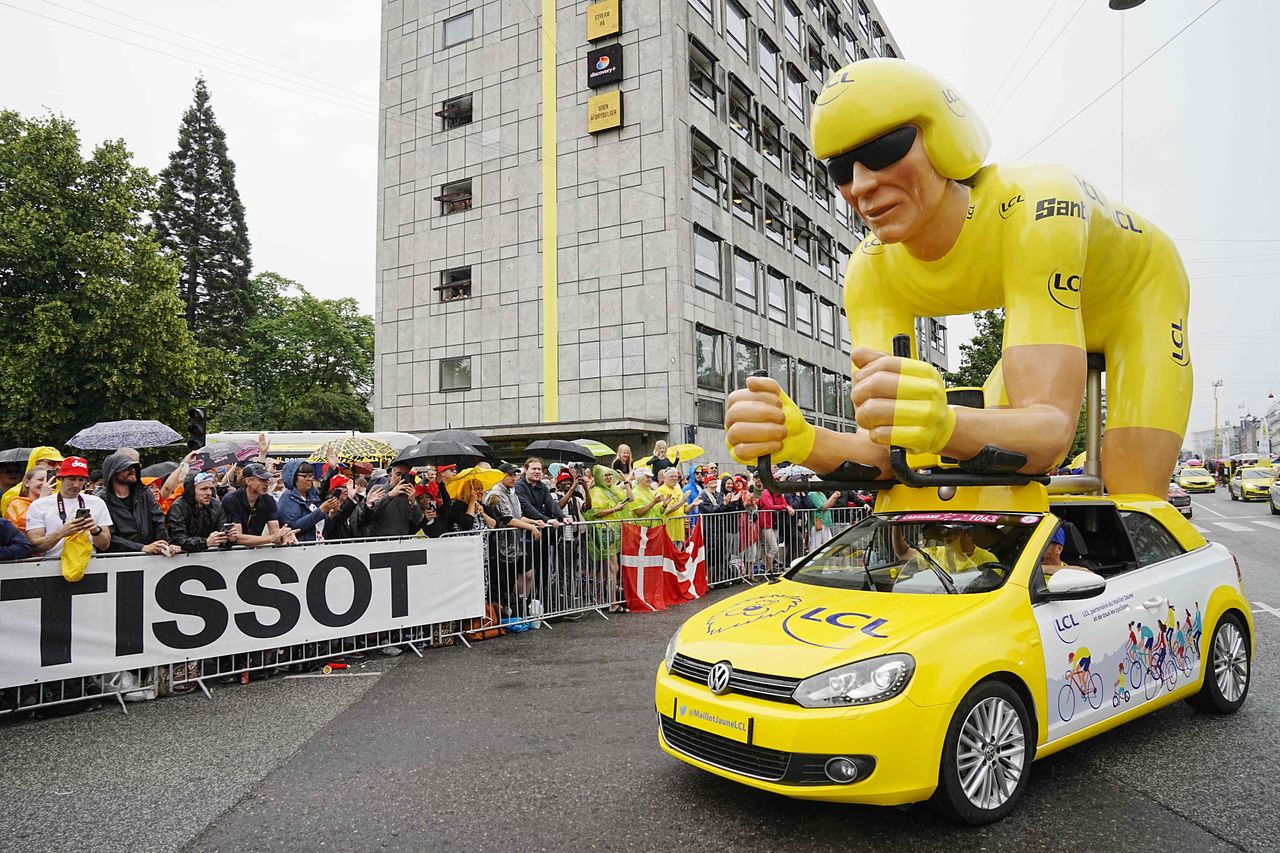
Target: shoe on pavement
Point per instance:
(392, 651)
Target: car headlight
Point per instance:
(671, 650)
(860, 683)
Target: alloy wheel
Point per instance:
(991, 753)
(1230, 662)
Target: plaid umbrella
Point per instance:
(353, 449)
(595, 447)
(113, 435)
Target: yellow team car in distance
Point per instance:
(1251, 483)
(1193, 478)
(923, 654)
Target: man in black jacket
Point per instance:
(196, 518)
(390, 507)
(539, 505)
(137, 522)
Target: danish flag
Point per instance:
(655, 573)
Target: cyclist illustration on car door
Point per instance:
(1074, 272)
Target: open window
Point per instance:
(1097, 539)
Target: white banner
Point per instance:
(135, 611)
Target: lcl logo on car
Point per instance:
(1067, 627)
(604, 66)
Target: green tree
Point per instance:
(199, 218)
(307, 363)
(93, 326)
(980, 355)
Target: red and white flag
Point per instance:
(655, 573)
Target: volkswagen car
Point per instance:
(936, 649)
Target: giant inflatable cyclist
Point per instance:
(1074, 272)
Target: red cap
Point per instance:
(710, 478)
(338, 482)
(562, 476)
(440, 469)
(420, 490)
(74, 466)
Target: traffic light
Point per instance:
(195, 428)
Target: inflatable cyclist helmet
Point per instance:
(873, 96)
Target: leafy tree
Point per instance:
(199, 218)
(93, 327)
(307, 363)
(979, 356)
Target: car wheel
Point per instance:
(1232, 492)
(986, 759)
(1226, 674)
(1272, 502)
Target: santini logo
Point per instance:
(1047, 207)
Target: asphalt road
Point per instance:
(546, 741)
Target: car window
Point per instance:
(1151, 542)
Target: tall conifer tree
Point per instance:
(199, 218)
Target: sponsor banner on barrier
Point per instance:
(138, 611)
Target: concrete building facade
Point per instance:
(618, 283)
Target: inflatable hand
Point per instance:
(903, 402)
(762, 419)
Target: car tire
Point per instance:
(1272, 503)
(1227, 668)
(1232, 492)
(996, 766)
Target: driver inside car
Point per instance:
(957, 553)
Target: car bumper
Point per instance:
(1255, 494)
(788, 744)
(1198, 488)
(1185, 509)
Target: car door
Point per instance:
(1133, 654)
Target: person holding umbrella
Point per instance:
(48, 457)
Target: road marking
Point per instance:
(1206, 509)
(1198, 529)
(337, 675)
(1235, 528)
(1260, 607)
(1266, 522)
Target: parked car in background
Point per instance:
(1180, 500)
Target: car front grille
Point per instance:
(772, 687)
(758, 762)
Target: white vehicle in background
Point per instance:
(299, 445)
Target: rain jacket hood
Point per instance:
(298, 510)
(38, 454)
(136, 519)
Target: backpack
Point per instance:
(485, 627)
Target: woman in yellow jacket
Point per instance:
(36, 484)
(48, 457)
(674, 504)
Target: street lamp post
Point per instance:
(1217, 383)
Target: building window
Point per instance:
(846, 400)
(830, 393)
(703, 8)
(804, 311)
(456, 111)
(775, 218)
(741, 109)
(795, 91)
(771, 137)
(801, 235)
(746, 361)
(823, 259)
(814, 54)
(706, 166)
(455, 284)
(702, 75)
(822, 192)
(846, 341)
(937, 336)
(801, 163)
(735, 30)
(455, 373)
(709, 352)
(780, 370)
(706, 262)
(806, 396)
(744, 282)
(743, 194)
(710, 413)
(455, 197)
(842, 209)
(768, 55)
(842, 260)
(850, 47)
(792, 23)
(776, 283)
(827, 323)
(766, 6)
(459, 28)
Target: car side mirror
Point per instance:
(1073, 584)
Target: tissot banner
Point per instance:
(137, 611)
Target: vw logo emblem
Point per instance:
(718, 678)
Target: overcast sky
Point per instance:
(294, 85)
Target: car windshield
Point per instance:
(929, 553)
(1192, 471)
(1256, 475)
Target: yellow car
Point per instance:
(922, 654)
(1193, 478)
(1251, 484)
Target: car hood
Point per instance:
(797, 630)
(1195, 478)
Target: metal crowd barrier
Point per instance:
(563, 573)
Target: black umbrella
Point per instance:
(462, 436)
(439, 453)
(558, 450)
(160, 469)
(15, 454)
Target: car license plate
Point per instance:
(717, 721)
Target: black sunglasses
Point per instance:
(879, 153)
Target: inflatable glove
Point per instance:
(798, 444)
(922, 420)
